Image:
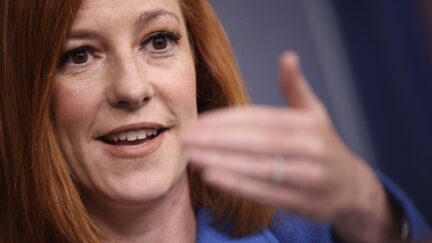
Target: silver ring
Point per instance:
(278, 170)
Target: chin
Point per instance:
(119, 178)
(140, 188)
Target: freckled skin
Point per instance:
(125, 81)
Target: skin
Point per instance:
(124, 79)
(321, 179)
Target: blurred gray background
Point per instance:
(366, 60)
(261, 30)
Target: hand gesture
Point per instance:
(293, 159)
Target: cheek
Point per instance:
(73, 106)
(180, 89)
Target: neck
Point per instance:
(168, 219)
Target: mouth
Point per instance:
(132, 137)
(134, 141)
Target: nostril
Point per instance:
(122, 103)
(132, 103)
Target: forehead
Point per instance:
(124, 10)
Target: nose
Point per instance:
(129, 86)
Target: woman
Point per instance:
(101, 152)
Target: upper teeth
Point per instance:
(132, 135)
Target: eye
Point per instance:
(77, 56)
(161, 41)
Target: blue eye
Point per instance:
(77, 56)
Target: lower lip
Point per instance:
(135, 151)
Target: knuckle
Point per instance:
(315, 121)
(316, 149)
(310, 121)
(318, 176)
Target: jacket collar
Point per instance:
(208, 233)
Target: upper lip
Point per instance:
(132, 127)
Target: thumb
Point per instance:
(294, 86)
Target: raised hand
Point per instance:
(293, 159)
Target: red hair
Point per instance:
(219, 84)
(39, 200)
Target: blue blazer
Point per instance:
(294, 229)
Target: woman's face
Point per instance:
(124, 90)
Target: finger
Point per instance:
(301, 174)
(301, 144)
(294, 86)
(256, 190)
(258, 115)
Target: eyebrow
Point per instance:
(143, 19)
(84, 34)
(153, 14)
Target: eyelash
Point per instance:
(170, 35)
(68, 54)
